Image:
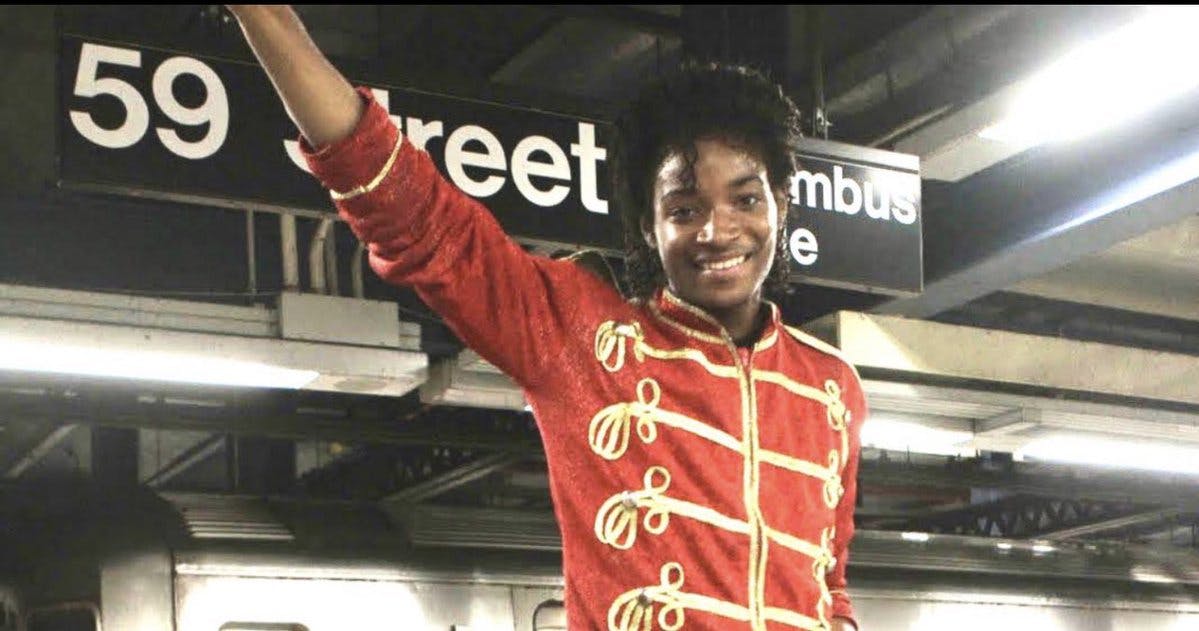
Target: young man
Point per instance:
(702, 456)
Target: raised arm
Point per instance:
(513, 308)
(318, 98)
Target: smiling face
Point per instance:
(715, 228)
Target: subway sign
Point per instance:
(184, 127)
(855, 218)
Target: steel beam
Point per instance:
(52, 439)
(454, 478)
(1108, 525)
(369, 421)
(1036, 480)
(191, 457)
(1025, 517)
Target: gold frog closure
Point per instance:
(820, 567)
(634, 609)
(838, 414)
(616, 520)
(610, 339)
(833, 488)
(608, 433)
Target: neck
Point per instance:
(744, 323)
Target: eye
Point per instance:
(749, 200)
(680, 213)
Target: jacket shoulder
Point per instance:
(822, 347)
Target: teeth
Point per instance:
(726, 264)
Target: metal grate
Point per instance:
(216, 517)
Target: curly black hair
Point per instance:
(699, 100)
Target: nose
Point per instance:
(721, 227)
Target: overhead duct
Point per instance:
(470, 381)
(303, 343)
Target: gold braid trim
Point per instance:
(794, 387)
(767, 341)
(610, 343)
(839, 418)
(823, 347)
(373, 184)
(833, 488)
(611, 427)
(616, 520)
(820, 568)
(683, 328)
(634, 609)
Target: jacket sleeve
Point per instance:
(855, 401)
(421, 231)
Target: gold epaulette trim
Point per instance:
(823, 347)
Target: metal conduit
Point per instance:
(317, 255)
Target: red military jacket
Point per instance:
(697, 485)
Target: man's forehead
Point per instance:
(709, 155)
(732, 164)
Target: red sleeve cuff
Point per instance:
(843, 608)
(356, 159)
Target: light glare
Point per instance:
(903, 436)
(1106, 81)
(1107, 452)
(40, 357)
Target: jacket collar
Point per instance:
(697, 324)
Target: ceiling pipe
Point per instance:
(908, 56)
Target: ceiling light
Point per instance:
(883, 433)
(39, 357)
(917, 537)
(1106, 81)
(1107, 452)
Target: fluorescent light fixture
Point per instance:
(1041, 548)
(1004, 546)
(883, 433)
(1105, 82)
(918, 537)
(40, 357)
(1108, 452)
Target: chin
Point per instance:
(720, 299)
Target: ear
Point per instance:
(783, 201)
(647, 233)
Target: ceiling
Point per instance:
(1008, 246)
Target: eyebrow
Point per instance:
(736, 183)
(745, 179)
(679, 190)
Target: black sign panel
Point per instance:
(152, 122)
(149, 122)
(855, 218)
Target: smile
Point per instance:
(723, 264)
